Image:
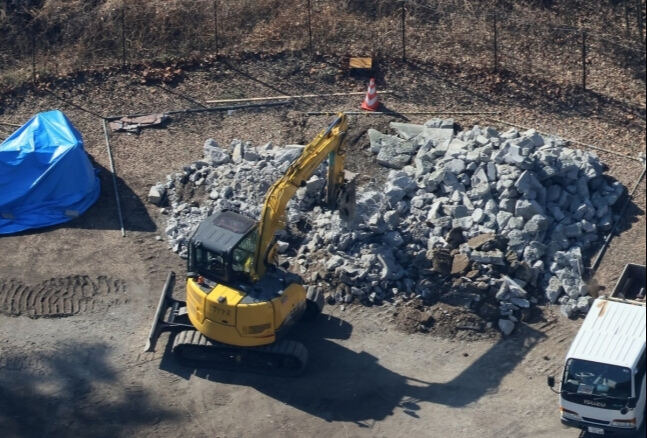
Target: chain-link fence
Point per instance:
(68, 36)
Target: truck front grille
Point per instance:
(593, 420)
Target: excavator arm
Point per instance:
(329, 143)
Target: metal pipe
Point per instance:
(309, 27)
(207, 109)
(215, 26)
(114, 178)
(123, 35)
(404, 31)
(395, 113)
(297, 96)
(583, 60)
(496, 42)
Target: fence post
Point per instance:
(309, 27)
(627, 28)
(496, 43)
(584, 59)
(123, 35)
(639, 17)
(215, 26)
(33, 51)
(404, 45)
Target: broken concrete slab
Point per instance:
(390, 157)
(406, 130)
(477, 242)
(460, 264)
(134, 124)
(494, 257)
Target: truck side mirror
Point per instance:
(631, 402)
(550, 380)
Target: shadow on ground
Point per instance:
(629, 212)
(344, 385)
(72, 391)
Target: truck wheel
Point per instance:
(314, 303)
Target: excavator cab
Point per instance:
(222, 248)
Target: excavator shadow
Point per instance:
(340, 384)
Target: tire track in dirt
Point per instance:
(61, 296)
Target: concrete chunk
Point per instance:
(506, 326)
(494, 257)
(156, 194)
(456, 147)
(379, 140)
(460, 264)
(477, 242)
(406, 130)
(554, 289)
(527, 209)
(456, 166)
(214, 154)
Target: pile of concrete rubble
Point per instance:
(501, 218)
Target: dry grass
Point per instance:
(537, 38)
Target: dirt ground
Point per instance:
(86, 374)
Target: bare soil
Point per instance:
(85, 374)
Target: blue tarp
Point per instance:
(45, 175)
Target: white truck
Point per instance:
(603, 384)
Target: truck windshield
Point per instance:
(596, 384)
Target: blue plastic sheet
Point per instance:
(45, 175)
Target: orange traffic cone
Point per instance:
(370, 102)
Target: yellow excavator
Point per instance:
(239, 304)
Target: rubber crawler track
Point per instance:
(260, 360)
(61, 296)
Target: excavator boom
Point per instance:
(327, 144)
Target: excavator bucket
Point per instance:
(346, 197)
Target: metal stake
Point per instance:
(496, 45)
(33, 54)
(309, 27)
(123, 35)
(114, 179)
(404, 53)
(215, 25)
(583, 60)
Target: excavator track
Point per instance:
(283, 358)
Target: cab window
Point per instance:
(210, 262)
(243, 254)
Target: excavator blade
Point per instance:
(173, 323)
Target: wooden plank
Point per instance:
(300, 96)
(362, 63)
